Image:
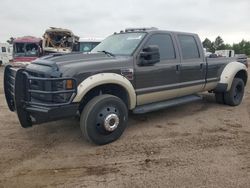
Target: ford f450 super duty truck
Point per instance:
(138, 70)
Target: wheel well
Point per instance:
(112, 89)
(242, 75)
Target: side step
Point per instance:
(165, 104)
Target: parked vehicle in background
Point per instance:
(5, 53)
(206, 52)
(225, 53)
(87, 44)
(140, 69)
(26, 49)
(57, 40)
(231, 53)
(242, 58)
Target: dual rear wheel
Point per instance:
(234, 96)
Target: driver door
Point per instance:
(155, 82)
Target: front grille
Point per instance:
(36, 89)
(11, 78)
(49, 90)
(9, 86)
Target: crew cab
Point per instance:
(138, 70)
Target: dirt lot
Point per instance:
(200, 144)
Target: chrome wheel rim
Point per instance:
(111, 122)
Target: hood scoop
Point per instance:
(47, 63)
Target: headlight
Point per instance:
(62, 85)
(69, 84)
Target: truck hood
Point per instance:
(77, 63)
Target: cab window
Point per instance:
(189, 47)
(165, 44)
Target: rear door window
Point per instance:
(189, 47)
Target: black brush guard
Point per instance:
(18, 95)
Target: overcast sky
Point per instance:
(100, 18)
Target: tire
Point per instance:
(235, 95)
(219, 98)
(92, 122)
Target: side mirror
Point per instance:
(149, 55)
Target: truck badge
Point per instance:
(128, 73)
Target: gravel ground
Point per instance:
(201, 144)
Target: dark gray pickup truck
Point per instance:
(138, 70)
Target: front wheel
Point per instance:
(104, 119)
(234, 96)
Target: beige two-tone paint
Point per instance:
(229, 73)
(167, 94)
(173, 93)
(106, 78)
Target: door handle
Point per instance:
(201, 66)
(178, 68)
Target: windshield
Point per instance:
(120, 44)
(26, 50)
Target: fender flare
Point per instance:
(106, 78)
(229, 73)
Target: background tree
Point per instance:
(219, 44)
(207, 44)
(228, 47)
(242, 48)
(247, 48)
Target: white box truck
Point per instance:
(5, 53)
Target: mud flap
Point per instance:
(20, 96)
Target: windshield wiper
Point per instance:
(108, 53)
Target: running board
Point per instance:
(165, 104)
